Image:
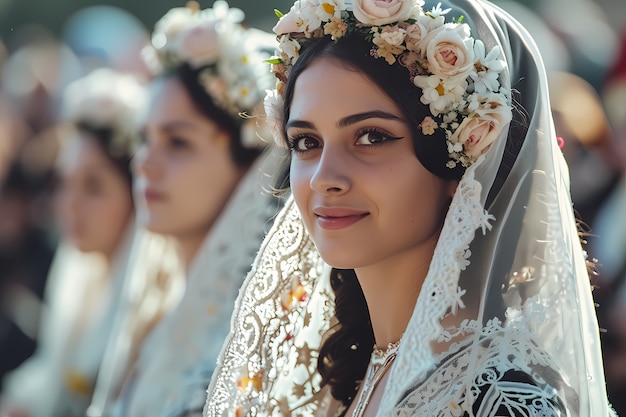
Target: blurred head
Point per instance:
(185, 167)
(197, 146)
(94, 198)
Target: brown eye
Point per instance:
(371, 137)
(303, 143)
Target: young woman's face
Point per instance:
(184, 169)
(94, 203)
(362, 192)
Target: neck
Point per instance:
(391, 289)
(188, 247)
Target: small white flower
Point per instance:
(309, 18)
(290, 48)
(436, 11)
(327, 9)
(438, 94)
(223, 13)
(487, 68)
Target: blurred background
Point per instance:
(45, 45)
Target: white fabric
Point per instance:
(506, 307)
(177, 359)
(82, 297)
(154, 286)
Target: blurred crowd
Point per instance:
(44, 220)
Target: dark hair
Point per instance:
(189, 76)
(117, 150)
(341, 366)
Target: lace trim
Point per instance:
(440, 292)
(270, 312)
(488, 390)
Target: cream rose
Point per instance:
(199, 44)
(450, 55)
(381, 12)
(291, 21)
(478, 131)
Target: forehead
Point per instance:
(330, 88)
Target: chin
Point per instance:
(336, 260)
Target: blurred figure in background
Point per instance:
(582, 124)
(96, 217)
(32, 79)
(198, 180)
(609, 245)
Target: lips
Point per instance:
(336, 218)
(153, 195)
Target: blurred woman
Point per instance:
(198, 181)
(95, 214)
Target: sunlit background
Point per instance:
(44, 45)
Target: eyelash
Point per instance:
(177, 142)
(292, 141)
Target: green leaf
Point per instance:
(274, 60)
(278, 13)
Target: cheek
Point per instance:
(300, 184)
(110, 211)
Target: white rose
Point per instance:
(381, 12)
(199, 44)
(450, 54)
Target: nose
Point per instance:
(331, 175)
(145, 162)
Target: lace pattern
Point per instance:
(482, 383)
(271, 311)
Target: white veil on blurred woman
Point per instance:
(204, 151)
(504, 321)
(96, 217)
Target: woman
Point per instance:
(198, 181)
(95, 214)
(429, 262)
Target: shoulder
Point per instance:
(514, 393)
(488, 389)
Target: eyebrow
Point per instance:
(178, 124)
(348, 120)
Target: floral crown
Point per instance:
(459, 80)
(229, 57)
(106, 98)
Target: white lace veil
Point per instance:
(507, 288)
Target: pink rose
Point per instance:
(450, 55)
(381, 12)
(199, 44)
(478, 131)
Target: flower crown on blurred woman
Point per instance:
(106, 99)
(458, 79)
(228, 57)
